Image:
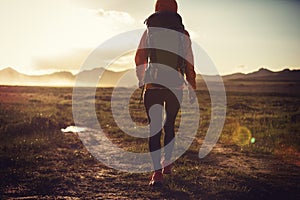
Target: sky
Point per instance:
(44, 36)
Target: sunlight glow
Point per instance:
(35, 38)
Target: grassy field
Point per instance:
(257, 155)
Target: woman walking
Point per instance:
(168, 95)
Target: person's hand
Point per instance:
(192, 96)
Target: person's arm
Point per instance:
(189, 69)
(141, 60)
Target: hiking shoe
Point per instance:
(167, 167)
(156, 179)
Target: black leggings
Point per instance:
(159, 99)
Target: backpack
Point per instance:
(165, 68)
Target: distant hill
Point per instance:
(9, 76)
(108, 78)
(265, 75)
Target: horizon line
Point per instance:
(119, 71)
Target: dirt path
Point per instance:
(68, 171)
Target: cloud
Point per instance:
(90, 27)
(48, 35)
(116, 16)
(137, 8)
(241, 66)
(124, 62)
(85, 29)
(74, 60)
(70, 61)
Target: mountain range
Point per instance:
(127, 78)
(266, 75)
(86, 78)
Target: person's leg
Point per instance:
(154, 107)
(172, 106)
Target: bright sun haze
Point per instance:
(57, 35)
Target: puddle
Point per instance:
(73, 129)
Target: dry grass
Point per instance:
(37, 161)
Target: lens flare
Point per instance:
(242, 136)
